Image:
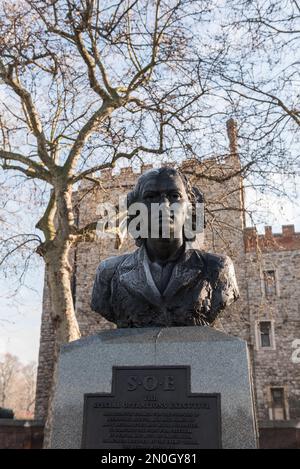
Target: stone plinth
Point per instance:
(219, 364)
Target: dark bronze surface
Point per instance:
(165, 282)
(6, 413)
(151, 407)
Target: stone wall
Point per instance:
(280, 435)
(273, 367)
(21, 434)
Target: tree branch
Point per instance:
(34, 168)
(91, 65)
(35, 121)
(98, 117)
(277, 101)
(46, 223)
(111, 164)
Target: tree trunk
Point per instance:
(63, 313)
(59, 271)
(63, 318)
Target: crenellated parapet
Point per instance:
(214, 167)
(287, 240)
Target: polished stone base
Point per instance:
(219, 364)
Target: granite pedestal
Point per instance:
(219, 364)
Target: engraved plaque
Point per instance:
(151, 407)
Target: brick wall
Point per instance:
(280, 435)
(21, 434)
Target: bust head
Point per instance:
(177, 199)
(164, 282)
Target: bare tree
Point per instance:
(85, 84)
(9, 367)
(260, 77)
(17, 385)
(29, 384)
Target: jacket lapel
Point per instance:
(136, 277)
(188, 269)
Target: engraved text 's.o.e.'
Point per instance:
(151, 383)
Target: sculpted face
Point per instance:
(166, 200)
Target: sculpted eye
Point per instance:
(176, 196)
(149, 197)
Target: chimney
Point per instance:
(232, 136)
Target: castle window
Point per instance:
(278, 409)
(265, 337)
(265, 333)
(270, 283)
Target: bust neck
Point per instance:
(164, 250)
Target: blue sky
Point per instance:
(20, 316)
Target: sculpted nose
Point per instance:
(164, 199)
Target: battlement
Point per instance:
(287, 240)
(116, 177)
(216, 166)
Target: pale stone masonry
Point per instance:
(267, 316)
(273, 366)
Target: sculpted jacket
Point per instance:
(200, 286)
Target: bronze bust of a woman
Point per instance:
(164, 283)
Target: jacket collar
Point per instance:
(136, 276)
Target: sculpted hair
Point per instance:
(194, 194)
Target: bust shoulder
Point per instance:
(108, 266)
(102, 284)
(213, 263)
(216, 261)
(220, 270)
